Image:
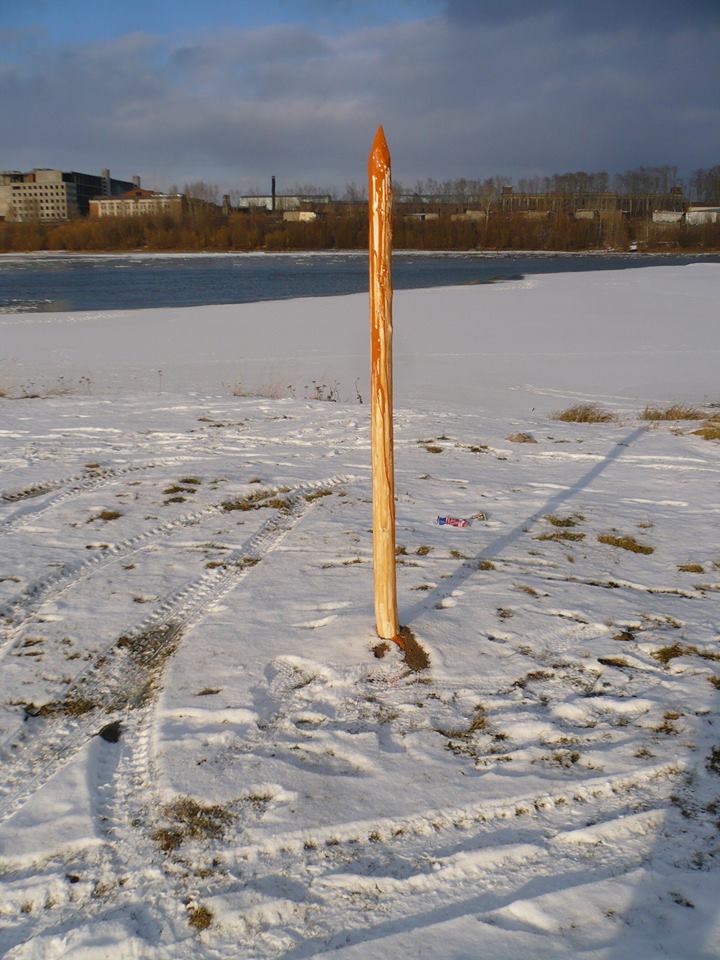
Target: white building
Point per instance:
(136, 202)
(698, 215)
(667, 216)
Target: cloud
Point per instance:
(478, 89)
(578, 16)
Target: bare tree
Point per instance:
(201, 190)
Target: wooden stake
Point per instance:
(381, 405)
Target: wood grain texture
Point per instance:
(381, 384)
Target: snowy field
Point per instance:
(202, 756)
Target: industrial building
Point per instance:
(137, 202)
(275, 201)
(51, 195)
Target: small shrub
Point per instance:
(329, 392)
(675, 412)
(625, 543)
(583, 413)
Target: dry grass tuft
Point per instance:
(106, 515)
(256, 501)
(71, 706)
(486, 565)
(317, 494)
(625, 543)
(691, 568)
(675, 412)
(561, 535)
(414, 655)
(167, 840)
(613, 661)
(583, 413)
(571, 521)
(710, 430)
(190, 820)
(665, 654)
(521, 438)
(200, 917)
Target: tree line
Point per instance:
(206, 228)
(702, 186)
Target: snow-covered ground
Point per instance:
(201, 756)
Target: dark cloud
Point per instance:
(651, 16)
(458, 97)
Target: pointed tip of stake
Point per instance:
(379, 153)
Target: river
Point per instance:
(59, 281)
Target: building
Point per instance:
(667, 216)
(697, 214)
(280, 201)
(299, 216)
(137, 202)
(47, 194)
(591, 206)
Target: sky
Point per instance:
(232, 92)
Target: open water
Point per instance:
(54, 282)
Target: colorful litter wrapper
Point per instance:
(453, 522)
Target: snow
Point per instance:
(547, 787)
(512, 346)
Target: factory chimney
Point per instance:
(273, 195)
(136, 180)
(105, 176)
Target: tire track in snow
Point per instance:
(123, 679)
(435, 861)
(310, 856)
(19, 609)
(73, 486)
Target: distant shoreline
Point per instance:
(480, 254)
